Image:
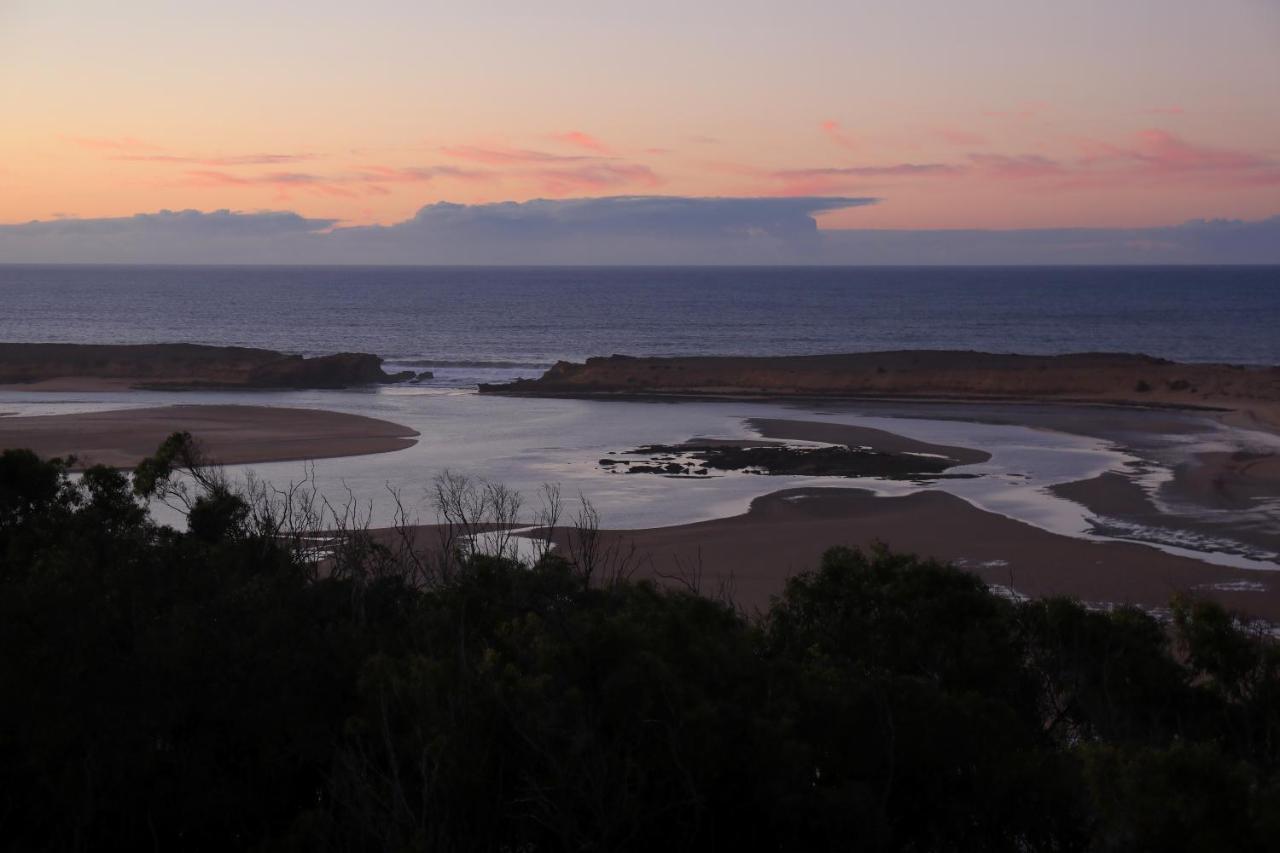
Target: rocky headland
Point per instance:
(183, 366)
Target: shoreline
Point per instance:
(1265, 418)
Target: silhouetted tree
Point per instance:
(242, 683)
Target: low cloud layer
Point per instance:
(620, 229)
(1217, 241)
(615, 230)
(186, 236)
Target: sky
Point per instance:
(978, 115)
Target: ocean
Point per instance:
(479, 324)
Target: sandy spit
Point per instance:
(230, 434)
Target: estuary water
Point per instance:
(472, 325)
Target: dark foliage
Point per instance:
(209, 689)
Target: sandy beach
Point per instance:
(229, 434)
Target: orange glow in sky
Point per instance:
(981, 114)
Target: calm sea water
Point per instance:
(483, 320)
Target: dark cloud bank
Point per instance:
(619, 230)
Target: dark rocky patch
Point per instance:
(778, 460)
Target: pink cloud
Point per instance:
(1150, 157)
(1158, 154)
(585, 141)
(372, 180)
(1173, 110)
(1025, 111)
(1163, 150)
(892, 170)
(205, 178)
(282, 182)
(839, 178)
(594, 177)
(834, 132)
(416, 174)
(130, 149)
(123, 143)
(956, 136)
(508, 156)
(235, 160)
(1017, 167)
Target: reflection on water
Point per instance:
(525, 442)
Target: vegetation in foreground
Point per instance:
(230, 686)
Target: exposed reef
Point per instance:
(701, 458)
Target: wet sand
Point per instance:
(1231, 494)
(1230, 480)
(752, 555)
(1230, 500)
(859, 436)
(1220, 504)
(1223, 502)
(229, 434)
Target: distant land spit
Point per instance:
(928, 374)
(179, 366)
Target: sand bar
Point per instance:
(230, 434)
(860, 436)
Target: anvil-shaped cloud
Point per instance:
(614, 230)
(620, 229)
